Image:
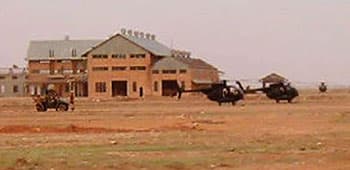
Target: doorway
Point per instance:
(119, 88)
(169, 87)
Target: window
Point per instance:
(101, 56)
(155, 86)
(137, 55)
(51, 53)
(67, 71)
(134, 86)
(119, 56)
(14, 77)
(118, 68)
(100, 87)
(140, 56)
(66, 61)
(44, 61)
(67, 89)
(44, 71)
(182, 71)
(138, 68)
(35, 71)
(99, 68)
(155, 71)
(74, 52)
(15, 89)
(169, 71)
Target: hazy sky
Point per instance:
(305, 40)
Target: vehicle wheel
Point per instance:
(40, 108)
(62, 107)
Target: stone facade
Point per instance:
(12, 82)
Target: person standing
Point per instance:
(71, 100)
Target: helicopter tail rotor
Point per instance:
(240, 85)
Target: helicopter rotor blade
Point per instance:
(240, 86)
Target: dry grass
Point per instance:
(163, 133)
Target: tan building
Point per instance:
(135, 64)
(58, 63)
(273, 78)
(12, 82)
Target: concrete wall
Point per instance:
(7, 83)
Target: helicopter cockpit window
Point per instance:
(224, 92)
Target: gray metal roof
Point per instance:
(273, 78)
(153, 46)
(181, 63)
(39, 50)
(169, 63)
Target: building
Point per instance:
(181, 70)
(135, 64)
(272, 78)
(58, 63)
(12, 82)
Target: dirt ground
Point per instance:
(163, 133)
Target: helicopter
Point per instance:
(323, 87)
(275, 91)
(218, 92)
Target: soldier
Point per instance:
(71, 100)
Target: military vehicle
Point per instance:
(50, 101)
(218, 92)
(276, 91)
(322, 87)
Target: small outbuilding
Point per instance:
(272, 78)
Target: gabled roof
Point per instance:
(273, 78)
(39, 50)
(182, 63)
(195, 63)
(152, 46)
(169, 63)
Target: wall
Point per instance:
(57, 72)
(119, 45)
(8, 83)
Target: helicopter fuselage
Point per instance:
(220, 93)
(278, 92)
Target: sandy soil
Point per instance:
(194, 133)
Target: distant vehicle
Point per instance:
(218, 92)
(278, 91)
(50, 101)
(322, 87)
